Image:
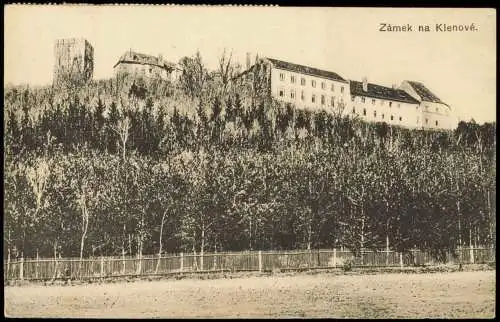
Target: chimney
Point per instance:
(248, 61)
(365, 84)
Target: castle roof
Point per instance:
(381, 92)
(132, 57)
(424, 93)
(306, 70)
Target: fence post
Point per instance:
(401, 260)
(8, 264)
(102, 266)
(182, 262)
(260, 261)
(335, 257)
(471, 255)
(37, 263)
(21, 269)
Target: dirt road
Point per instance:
(448, 295)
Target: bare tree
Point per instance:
(225, 70)
(37, 177)
(122, 129)
(194, 76)
(82, 202)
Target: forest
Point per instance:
(205, 163)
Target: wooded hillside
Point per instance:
(130, 166)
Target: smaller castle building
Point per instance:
(142, 65)
(376, 103)
(434, 113)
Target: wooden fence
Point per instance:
(102, 267)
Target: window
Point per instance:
(426, 107)
(390, 104)
(322, 99)
(352, 98)
(282, 76)
(332, 101)
(400, 119)
(342, 89)
(292, 94)
(374, 113)
(362, 99)
(399, 105)
(381, 102)
(353, 110)
(323, 85)
(292, 79)
(281, 93)
(426, 121)
(313, 83)
(437, 109)
(302, 81)
(333, 87)
(436, 123)
(364, 112)
(416, 107)
(302, 96)
(383, 116)
(392, 117)
(373, 101)
(313, 98)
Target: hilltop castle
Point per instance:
(410, 105)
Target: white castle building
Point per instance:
(410, 105)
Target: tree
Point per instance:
(85, 185)
(194, 76)
(122, 130)
(226, 71)
(98, 126)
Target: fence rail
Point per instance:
(102, 267)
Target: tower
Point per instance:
(74, 62)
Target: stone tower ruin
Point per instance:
(74, 62)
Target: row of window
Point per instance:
(427, 109)
(281, 93)
(375, 114)
(313, 82)
(392, 116)
(382, 102)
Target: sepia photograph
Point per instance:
(183, 161)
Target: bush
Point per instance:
(347, 267)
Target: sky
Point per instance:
(459, 67)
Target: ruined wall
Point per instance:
(74, 62)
